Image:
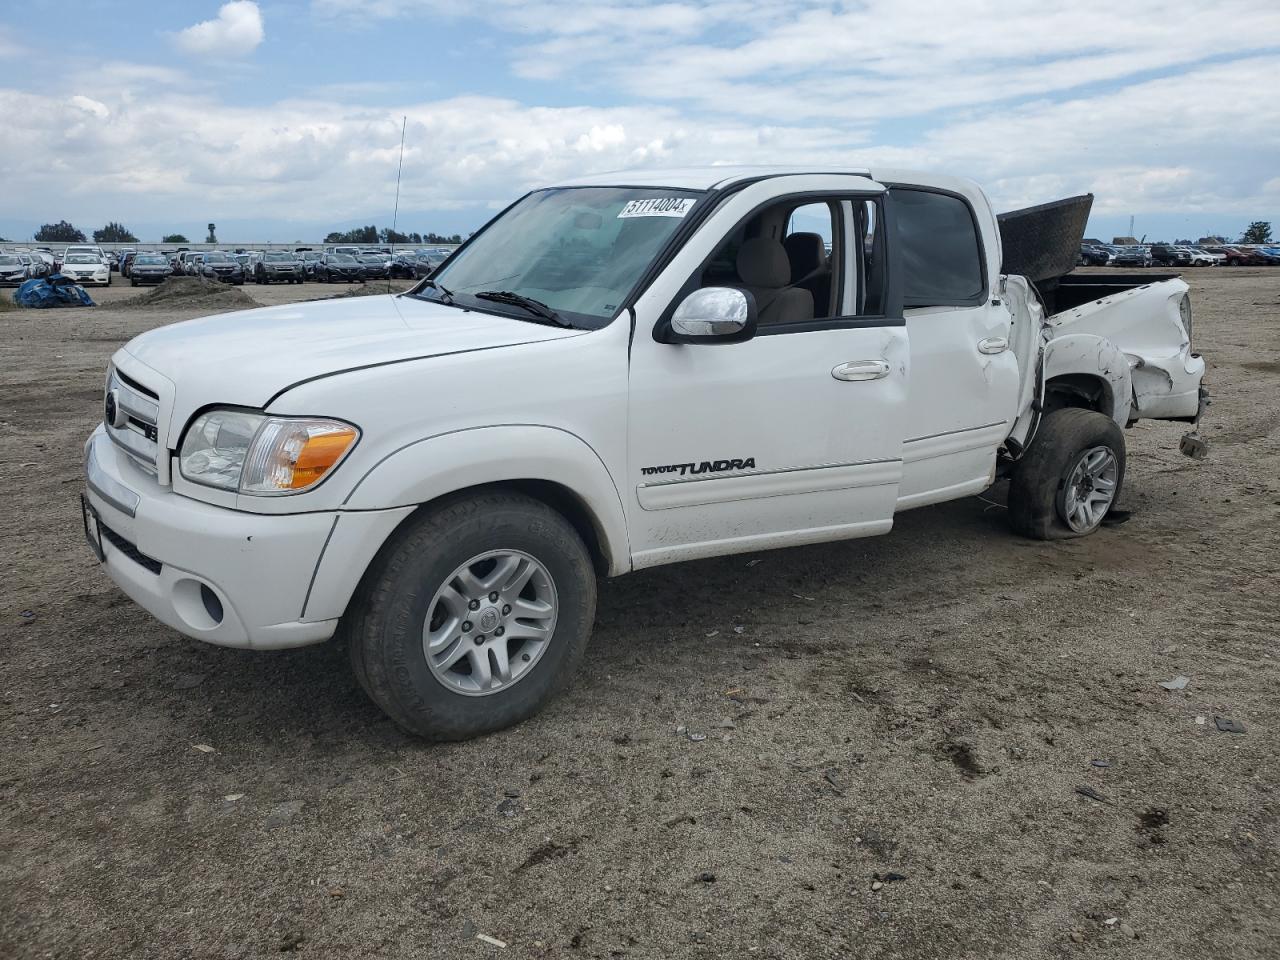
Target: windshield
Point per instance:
(9, 261)
(579, 250)
(83, 258)
(341, 258)
(152, 259)
(278, 258)
(216, 258)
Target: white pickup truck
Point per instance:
(615, 373)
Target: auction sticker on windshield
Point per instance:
(657, 207)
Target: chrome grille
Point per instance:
(136, 426)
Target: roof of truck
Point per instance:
(704, 178)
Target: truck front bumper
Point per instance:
(223, 576)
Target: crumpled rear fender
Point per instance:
(1085, 354)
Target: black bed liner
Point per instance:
(1075, 289)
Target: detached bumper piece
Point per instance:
(1192, 444)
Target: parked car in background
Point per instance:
(187, 263)
(36, 267)
(12, 270)
(84, 248)
(86, 268)
(404, 266)
(1201, 257)
(377, 266)
(309, 260)
(339, 268)
(1092, 256)
(1238, 256)
(1167, 255)
(126, 261)
(148, 268)
(271, 267)
(221, 266)
(1134, 256)
(1271, 255)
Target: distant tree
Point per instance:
(60, 232)
(114, 233)
(1257, 232)
(174, 238)
(367, 234)
(371, 234)
(395, 236)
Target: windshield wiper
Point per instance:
(535, 307)
(447, 294)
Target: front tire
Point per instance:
(431, 592)
(1069, 478)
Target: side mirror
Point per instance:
(715, 315)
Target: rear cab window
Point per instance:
(939, 250)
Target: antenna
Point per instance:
(395, 215)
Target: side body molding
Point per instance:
(438, 465)
(1091, 355)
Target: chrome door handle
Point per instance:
(861, 370)
(993, 345)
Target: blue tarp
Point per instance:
(54, 291)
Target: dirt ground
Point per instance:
(924, 707)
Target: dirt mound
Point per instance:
(179, 293)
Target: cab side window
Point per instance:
(938, 249)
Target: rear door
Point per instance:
(791, 437)
(965, 373)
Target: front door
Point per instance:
(791, 437)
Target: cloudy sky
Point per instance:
(280, 119)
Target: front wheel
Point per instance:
(1070, 476)
(473, 615)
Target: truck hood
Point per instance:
(247, 358)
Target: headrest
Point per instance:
(807, 253)
(762, 262)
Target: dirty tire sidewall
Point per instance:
(392, 607)
(1040, 475)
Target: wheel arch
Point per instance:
(546, 463)
(1089, 372)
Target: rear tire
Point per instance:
(418, 585)
(1054, 493)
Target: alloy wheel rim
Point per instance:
(1090, 489)
(490, 622)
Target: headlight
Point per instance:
(257, 454)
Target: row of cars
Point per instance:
(1178, 255)
(331, 265)
(90, 265)
(22, 265)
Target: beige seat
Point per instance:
(810, 268)
(765, 271)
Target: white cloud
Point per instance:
(235, 32)
(89, 105)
